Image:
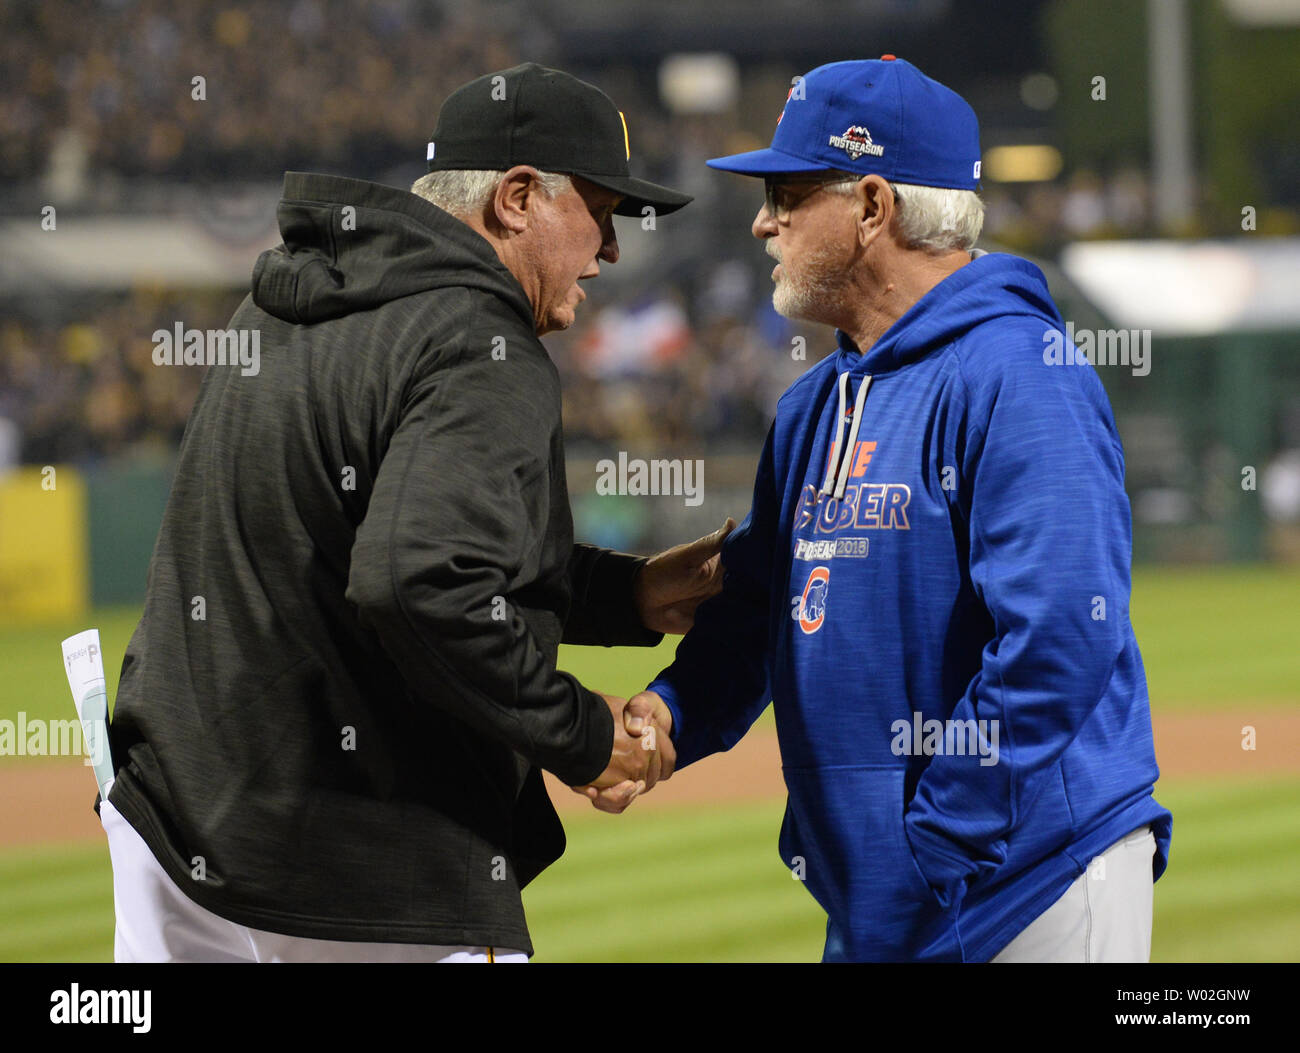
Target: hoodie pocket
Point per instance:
(919, 883)
(846, 823)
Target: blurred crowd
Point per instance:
(674, 370)
(660, 371)
(1042, 217)
(109, 86)
(97, 95)
(86, 389)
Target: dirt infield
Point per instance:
(50, 800)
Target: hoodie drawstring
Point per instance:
(833, 463)
(837, 471)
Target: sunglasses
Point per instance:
(783, 196)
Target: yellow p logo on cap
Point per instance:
(626, 148)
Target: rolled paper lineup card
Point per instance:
(83, 660)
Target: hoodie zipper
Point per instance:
(837, 471)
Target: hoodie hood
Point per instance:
(392, 244)
(994, 285)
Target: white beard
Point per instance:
(810, 293)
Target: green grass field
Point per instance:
(705, 884)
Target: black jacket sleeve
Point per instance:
(603, 611)
(459, 505)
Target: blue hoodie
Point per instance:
(932, 587)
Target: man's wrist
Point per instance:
(591, 756)
(669, 698)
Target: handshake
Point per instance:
(642, 753)
(667, 589)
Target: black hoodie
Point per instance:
(332, 716)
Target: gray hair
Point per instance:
(934, 219)
(467, 192)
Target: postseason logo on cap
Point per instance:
(856, 142)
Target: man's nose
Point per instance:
(609, 251)
(764, 225)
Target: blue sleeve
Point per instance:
(1050, 547)
(718, 683)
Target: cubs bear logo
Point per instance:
(809, 609)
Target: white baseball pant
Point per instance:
(1104, 916)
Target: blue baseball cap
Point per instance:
(881, 116)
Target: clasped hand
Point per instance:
(668, 589)
(642, 754)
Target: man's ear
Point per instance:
(514, 196)
(876, 208)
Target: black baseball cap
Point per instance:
(532, 115)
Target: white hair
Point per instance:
(466, 192)
(934, 219)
